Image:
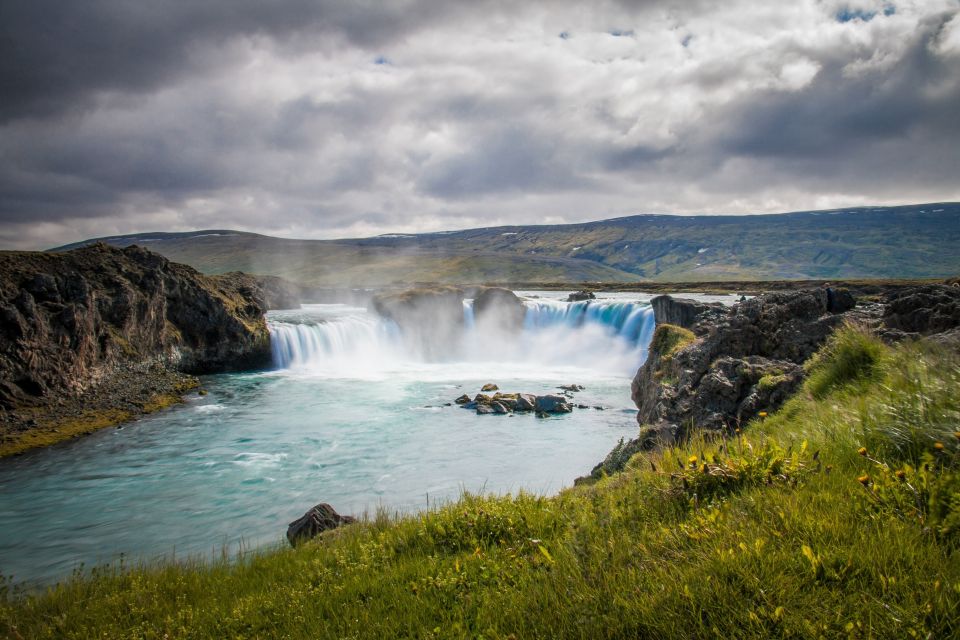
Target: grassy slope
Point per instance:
(790, 530)
(913, 241)
(326, 263)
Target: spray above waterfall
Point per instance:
(607, 336)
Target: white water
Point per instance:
(605, 337)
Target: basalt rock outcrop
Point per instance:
(686, 313)
(923, 310)
(745, 360)
(101, 317)
(320, 518)
(733, 364)
(432, 319)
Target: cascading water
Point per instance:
(604, 335)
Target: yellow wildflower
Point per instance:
(862, 451)
(900, 473)
(864, 479)
(762, 414)
(938, 446)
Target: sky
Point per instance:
(325, 119)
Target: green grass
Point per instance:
(668, 339)
(836, 517)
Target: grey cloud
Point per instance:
(122, 116)
(501, 161)
(837, 112)
(55, 56)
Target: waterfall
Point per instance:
(628, 320)
(305, 340)
(603, 335)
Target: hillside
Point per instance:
(915, 241)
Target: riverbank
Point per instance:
(836, 516)
(126, 396)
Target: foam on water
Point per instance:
(604, 336)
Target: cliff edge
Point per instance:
(718, 369)
(98, 335)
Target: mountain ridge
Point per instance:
(907, 241)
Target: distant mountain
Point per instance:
(913, 241)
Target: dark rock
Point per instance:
(484, 409)
(923, 310)
(580, 296)
(509, 400)
(464, 399)
(320, 518)
(431, 320)
(572, 388)
(839, 300)
(552, 404)
(79, 319)
(489, 387)
(683, 312)
(499, 408)
(498, 310)
(469, 405)
(482, 398)
(525, 402)
(745, 361)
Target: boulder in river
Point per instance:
(489, 387)
(320, 518)
(464, 399)
(552, 404)
(579, 296)
(526, 402)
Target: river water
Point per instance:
(350, 414)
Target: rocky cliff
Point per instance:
(101, 329)
(718, 369)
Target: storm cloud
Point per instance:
(329, 119)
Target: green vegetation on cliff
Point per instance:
(839, 516)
